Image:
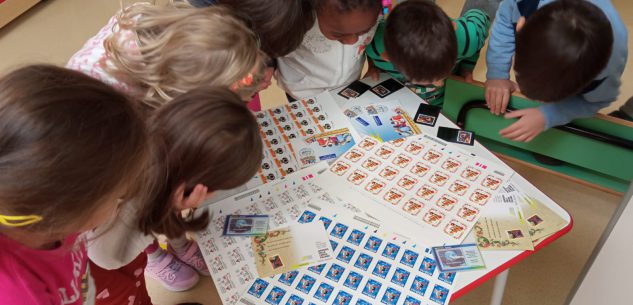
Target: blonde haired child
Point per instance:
(70, 147)
(154, 53)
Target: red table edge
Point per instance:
(513, 261)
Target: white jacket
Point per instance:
(321, 64)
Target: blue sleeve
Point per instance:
(501, 44)
(575, 107)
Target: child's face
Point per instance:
(345, 27)
(104, 213)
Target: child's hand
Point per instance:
(498, 93)
(372, 71)
(192, 200)
(267, 79)
(530, 124)
(468, 76)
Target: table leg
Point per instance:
(500, 285)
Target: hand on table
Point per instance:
(530, 124)
(372, 71)
(498, 92)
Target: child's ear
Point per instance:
(191, 200)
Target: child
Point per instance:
(280, 25)
(70, 147)
(420, 46)
(332, 53)
(218, 148)
(155, 53)
(570, 54)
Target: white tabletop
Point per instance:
(496, 261)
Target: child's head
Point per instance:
(181, 48)
(70, 147)
(206, 136)
(346, 20)
(420, 41)
(280, 25)
(561, 48)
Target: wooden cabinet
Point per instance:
(11, 9)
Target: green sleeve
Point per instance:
(471, 31)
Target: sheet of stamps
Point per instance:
(230, 258)
(371, 267)
(438, 187)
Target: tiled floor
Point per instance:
(55, 29)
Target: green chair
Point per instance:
(598, 150)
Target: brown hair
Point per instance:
(180, 48)
(280, 24)
(561, 48)
(67, 143)
(205, 136)
(420, 40)
(350, 5)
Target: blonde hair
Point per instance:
(181, 48)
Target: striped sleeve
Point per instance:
(472, 31)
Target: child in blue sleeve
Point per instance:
(568, 54)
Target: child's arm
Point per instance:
(574, 107)
(499, 58)
(502, 43)
(471, 31)
(533, 121)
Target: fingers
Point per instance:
(511, 131)
(504, 101)
(489, 98)
(515, 114)
(197, 196)
(375, 75)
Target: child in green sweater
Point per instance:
(420, 46)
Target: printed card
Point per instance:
(458, 257)
(427, 114)
(287, 249)
(386, 88)
(354, 90)
(246, 225)
(456, 135)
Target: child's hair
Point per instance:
(345, 6)
(420, 40)
(67, 144)
(280, 25)
(206, 136)
(180, 48)
(561, 48)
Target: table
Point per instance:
(498, 263)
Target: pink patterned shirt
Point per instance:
(91, 58)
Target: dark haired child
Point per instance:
(332, 53)
(70, 148)
(218, 148)
(568, 54)
(280, 25)
(420, 46)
